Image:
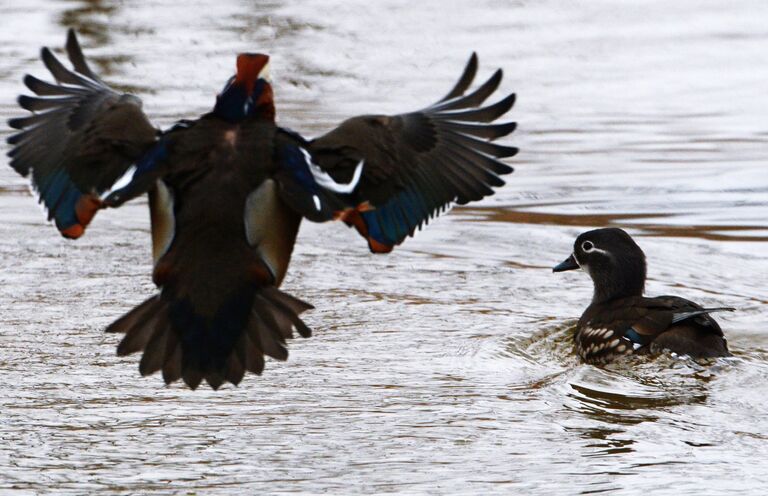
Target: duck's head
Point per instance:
(249, 92)
(612, 259)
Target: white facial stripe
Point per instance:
(326, 181)
(576, 259)
(582, 266)
(592, 249)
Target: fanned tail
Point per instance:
(183, 344)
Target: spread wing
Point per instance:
(80, 138)
(388, 175)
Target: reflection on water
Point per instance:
(445, 367)
(714, 232)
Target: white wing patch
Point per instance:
(326, 181)
(121, 182)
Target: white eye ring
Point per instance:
(588, 247)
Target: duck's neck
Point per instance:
(619, 284)
(235, 105)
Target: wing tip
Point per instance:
(72, 232)
(14, 139)
(25, 102)
(378, 247)
(465, 80)
(29, 81)
(504, 129)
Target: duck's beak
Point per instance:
(567, 264)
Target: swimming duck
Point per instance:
(228, 191)
(620, 320)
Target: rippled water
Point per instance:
(446, 366)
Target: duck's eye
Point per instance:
(587, 246)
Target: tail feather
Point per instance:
(266, 335)
(138, 325)
(172, 366)
(158, 349)
(235, 369)
(291, 308)
(250, 354)
(192, 377)
(280, 321)
(214, 379)
(154, 352)
(184, 345)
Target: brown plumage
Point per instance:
(228, 191)
(620, 320)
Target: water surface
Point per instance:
(445, 367)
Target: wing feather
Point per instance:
(415, 164)
(470, 70)
(642, 320)
(474, 99)
(80, 138)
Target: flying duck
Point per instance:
(227, 192)
(620, 320)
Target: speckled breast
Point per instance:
(600, 344)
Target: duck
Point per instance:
(621, 321)
(228, 191)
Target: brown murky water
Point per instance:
(445, 367)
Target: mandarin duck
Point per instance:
(620, 320)
(228, 191)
